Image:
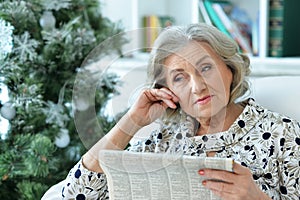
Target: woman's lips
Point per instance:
(204, 100)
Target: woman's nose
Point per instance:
(197, 83)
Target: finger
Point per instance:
(240, 169)
(174, 97)
(219, 187)
(157, 94)
(220, 175)
(168, 103)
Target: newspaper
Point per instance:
(142, 176)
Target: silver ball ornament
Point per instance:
(47, 21)
(63, 138)
(8, 111)
(81, 103)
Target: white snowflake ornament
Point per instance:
(6, 40)
(25, 47)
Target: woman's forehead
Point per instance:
(189, 54)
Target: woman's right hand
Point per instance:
(151, 104)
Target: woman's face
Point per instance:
(200, 79)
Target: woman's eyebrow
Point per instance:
(201, 60)
(181, 69)
(176, 70)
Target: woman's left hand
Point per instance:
(232, 185)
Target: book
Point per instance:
(153, 24)
(215, 18)
(233, 29)
(255, 37)
(204, 13)
(135, 175)
(284, 28)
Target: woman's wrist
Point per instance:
(128, 125)
(117, 138)
(91, 163)
(266, 197)
(263, 195)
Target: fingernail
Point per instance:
(204, 183)
(201, 172)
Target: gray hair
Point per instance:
(173, 38)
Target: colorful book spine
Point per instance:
(204, 13)
(232, 28)
(214, 17)
(284, 28)
(151, 23)
(276, 14)
(255, 36)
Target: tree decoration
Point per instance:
(56, 4)
(47, 20)
(43, 44)
(81, 103)
(7, 111)
(62, 140)
(25, 47)
(6, 45)
(55, 114)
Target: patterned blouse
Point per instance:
(266, 142)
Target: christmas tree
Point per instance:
(45, 46)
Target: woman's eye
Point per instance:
(205, 68)
(178, 78)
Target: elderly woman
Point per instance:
(198, 76)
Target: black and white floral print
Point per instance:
(266, 142)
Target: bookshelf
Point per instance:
(131, 12)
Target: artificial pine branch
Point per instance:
(40, 72)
